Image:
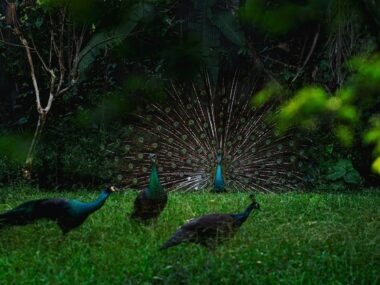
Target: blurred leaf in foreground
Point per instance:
(14, 147)
(306, 103)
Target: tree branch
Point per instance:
(308, 55)
(25, 43)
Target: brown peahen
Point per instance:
(211, 137)
(68, 214)
(152, 200)
(210, 230)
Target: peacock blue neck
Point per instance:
(219, 180)
(242, 217)
(154, 188)
(90, 207)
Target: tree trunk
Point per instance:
(33, 145)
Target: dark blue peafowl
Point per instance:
(210, 230)
(152, 200)
(200, 123)
(68, 214)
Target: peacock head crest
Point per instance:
(111, 189)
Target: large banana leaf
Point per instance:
(228, 26)
(102, 39)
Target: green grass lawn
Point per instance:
(295, 239)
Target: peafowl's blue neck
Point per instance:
(90, 207)
(219, 180)
(242, 217)
(154, 188)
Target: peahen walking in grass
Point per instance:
(152, 200)
(68, 214)
(197, 124)
(210, 230)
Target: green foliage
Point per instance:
(14, 147)
(372, 136)
(295, 239)
(341, 174)
(368, 69)
(209, 23)
(135, 47)
(302, 109)
(376, 166)
(149, 88)
(66, 160)
(10, 171)
(265, 95)
(228, 25)
(109, 110)
(310, 105)
(280, 18)
(345, 135)
(115, 36)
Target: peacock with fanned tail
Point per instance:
(68, 214)
(152, 200)
(211, 137)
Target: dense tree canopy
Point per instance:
(71, 72)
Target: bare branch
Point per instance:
(51, 93)
(308, 55)
(46, 68)
(59, 59)
(68, 87)
(25, 43)
(12, 44)
(61, 62)
(51, 48)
